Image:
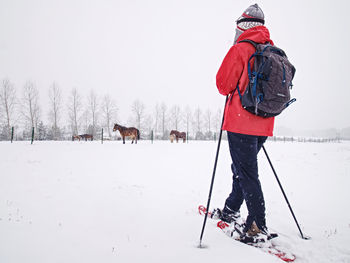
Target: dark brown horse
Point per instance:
(82, 137)
(86, 137)
(127, 132)
(178, 135)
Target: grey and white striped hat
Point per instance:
(251, 17)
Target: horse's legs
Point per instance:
(123, 139)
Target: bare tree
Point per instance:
(175, 113)
(138, 108)
(93, 110)
(198, 119)
(157, 112)
(217, 119)
(30, 105)
(197, 123)
(74, 110)
(208, 123)
(208, 119)
(55, 109)
(163, 111)
(84, 121)
(109, 113)
(148, 124)
(7, 105)
(187, 119)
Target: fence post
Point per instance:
(12, 129)
(102, 136)
(32, 135)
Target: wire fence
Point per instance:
(32, 135)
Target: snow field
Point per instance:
(93, 202)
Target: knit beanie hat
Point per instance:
(253, 16)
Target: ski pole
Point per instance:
(213, 176)
(284, 194)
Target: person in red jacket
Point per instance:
(246, 132)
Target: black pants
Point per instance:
(246, 186)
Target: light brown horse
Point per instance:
(178, 135)
(127, 132)
(76, 137)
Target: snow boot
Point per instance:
(230, 216)
(255, 235)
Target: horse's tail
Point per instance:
(138, 134)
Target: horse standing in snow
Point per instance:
(178, 135)
(76, 137)
(86, 137)
(172, 138)
(82, 136)
(127, 132)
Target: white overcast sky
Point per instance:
(170, 51)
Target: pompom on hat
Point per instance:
(253, 16)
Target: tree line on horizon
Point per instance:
(75, 114)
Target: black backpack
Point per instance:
(270, 81)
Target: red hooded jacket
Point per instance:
(233, 71)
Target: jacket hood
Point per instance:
(258, 34)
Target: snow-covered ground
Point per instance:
(92, 202)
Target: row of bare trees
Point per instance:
(20, 108)
(23, 110)
(161, 119)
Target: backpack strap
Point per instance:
(253, 79)
(255, 54)
(249, 41)
(290, 102)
